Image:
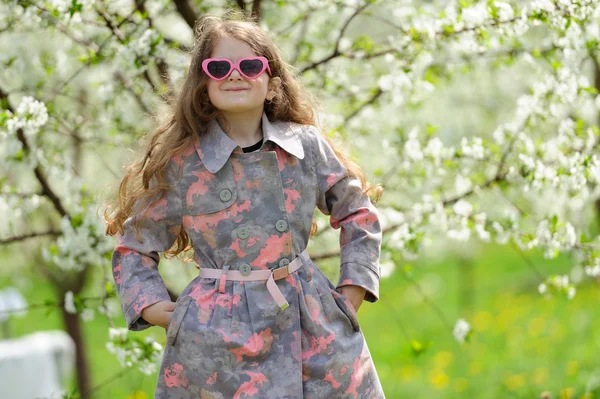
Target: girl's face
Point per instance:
(223, 94)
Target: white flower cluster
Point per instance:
(462, 330)
(594, 269)
(405, 87)
(144, 354)
(139, 51)
(70, 302)
(86, 314)
(415, 150)
(84, 244)
(558, 284)
(31, 115)
(118, 7)
(474, 150)
(62, 6)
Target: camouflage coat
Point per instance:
(256, 209)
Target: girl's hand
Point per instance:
(159, 314)
(354, 293)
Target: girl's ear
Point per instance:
(274, 87)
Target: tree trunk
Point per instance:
(73, 327)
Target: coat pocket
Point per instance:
(204, 192)
(346, 307)
(176, 319)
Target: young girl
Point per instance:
(238, 171)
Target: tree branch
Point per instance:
(39, 173)
(256, 9)
(187, 13)
(24, 237)
(336, 49)
(241, 4)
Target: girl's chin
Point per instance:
(239, 107)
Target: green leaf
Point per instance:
(554, 221)
(418, 348)
(19, 155)
(590, 89)
(77, 220)
(363, 42)
(430, 129)
(53, 249)
(109, 288)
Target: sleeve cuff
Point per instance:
(366, 276)
(133, 314)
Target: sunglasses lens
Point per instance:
(251, 67)
(218, 69)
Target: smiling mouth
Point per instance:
(236, 90)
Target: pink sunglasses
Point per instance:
(220, 68)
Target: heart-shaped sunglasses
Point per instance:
(220, 68)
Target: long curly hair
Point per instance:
(191, 110)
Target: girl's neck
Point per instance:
(243, 128)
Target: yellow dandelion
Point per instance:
(567, 393)
(439, 379)
(515, 381)
(572, 368)
(540, 376)
(443, 359)
(138, 395)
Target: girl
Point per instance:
(238, 171)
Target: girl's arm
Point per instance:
(135, 264)
(341, 197)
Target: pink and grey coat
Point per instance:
(253, 211)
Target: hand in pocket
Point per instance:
(159, 314)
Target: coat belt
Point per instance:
(259, 275)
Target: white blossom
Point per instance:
(542, 288)
(475, 15)
(87, 314)
(463, 208)
(412, 149)
(70, 303)
(462, 184)
(461, 330)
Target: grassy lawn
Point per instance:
(523, 344)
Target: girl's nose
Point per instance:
(235, 74)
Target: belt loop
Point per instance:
(302, 257)
(306, 269)
(223, 279)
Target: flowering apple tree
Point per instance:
(80, 77)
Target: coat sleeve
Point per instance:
(135, 264)
(340, 196)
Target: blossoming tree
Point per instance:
(79, 79)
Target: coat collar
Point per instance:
(215, 147)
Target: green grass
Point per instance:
(523, 344)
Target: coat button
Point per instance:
(245, 269)
(284, 262)
(225, 195)
(281, 225)
(243, 233)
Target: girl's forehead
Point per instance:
(233, 49)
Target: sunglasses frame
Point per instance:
(236, 65)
